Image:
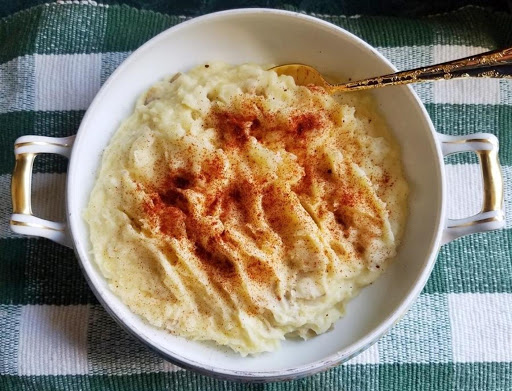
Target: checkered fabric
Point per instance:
(55, 336)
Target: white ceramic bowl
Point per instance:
(269, 36)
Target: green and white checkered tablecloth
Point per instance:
(55, 336)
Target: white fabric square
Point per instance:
(466, 91)
(443, 53)
(66, 82)
(408, 57)
(54, 207)
(369, 356)
(53, 340)
(481, 326)
(464, 184)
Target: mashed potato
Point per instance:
(234, 206)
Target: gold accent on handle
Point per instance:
(21, 184)
(472, 141)
(492, 180)
(42, 143)
(34, 225)
(476, 222)
(22, 220)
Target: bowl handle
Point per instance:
(491, 216)
(23, 221)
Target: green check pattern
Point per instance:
(55, 336)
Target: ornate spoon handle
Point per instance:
(496, 64)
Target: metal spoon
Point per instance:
(495, 64)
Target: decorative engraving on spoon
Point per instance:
(494, 64)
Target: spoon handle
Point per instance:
(495, 64)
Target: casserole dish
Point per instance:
(270, 37)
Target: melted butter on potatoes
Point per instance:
(237, 207)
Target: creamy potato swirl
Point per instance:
(234, 206)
